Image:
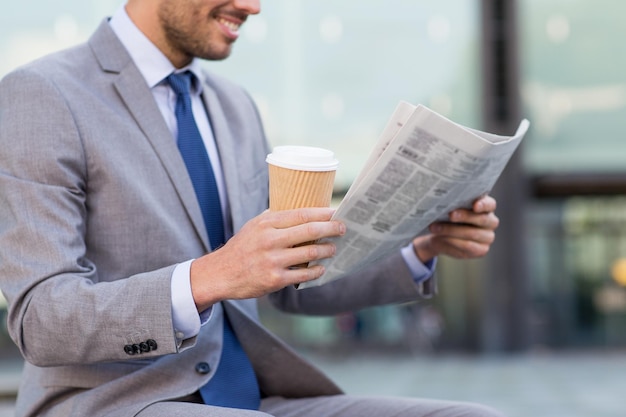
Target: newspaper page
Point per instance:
(422, 167)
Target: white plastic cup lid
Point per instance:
(303, 158)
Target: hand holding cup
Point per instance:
(301, 176)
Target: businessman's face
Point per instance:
(202, 28)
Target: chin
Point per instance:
(215, 53)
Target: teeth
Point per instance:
(230, 25)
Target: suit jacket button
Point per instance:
(152, 344)
(143, 346)
(129, 350)
(203, 368)
(136, 349)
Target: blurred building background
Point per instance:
(328, 73)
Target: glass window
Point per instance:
(32, 28)
(573, 84)
(574, 91)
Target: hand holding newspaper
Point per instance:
(422, 167)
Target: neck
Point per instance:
(144, 17)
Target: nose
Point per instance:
(248, 6)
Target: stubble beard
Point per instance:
(182, 38)
(192, 47)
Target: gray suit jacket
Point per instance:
(96, 209)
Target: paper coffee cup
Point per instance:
(301, 176)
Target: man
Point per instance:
(119, 299)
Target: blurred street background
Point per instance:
(536, 328)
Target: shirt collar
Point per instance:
(153, 65)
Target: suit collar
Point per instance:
(151, 62)
(108, 50)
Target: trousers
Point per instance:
(331, 406)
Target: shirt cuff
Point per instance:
(185, 317)
(420, 271)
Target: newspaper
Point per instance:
(422, 167)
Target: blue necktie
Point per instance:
(197, 160)
(234, 383)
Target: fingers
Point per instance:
(482, 214)
(460, 248)
(483, 220)
(299, 275)
(463, 232)
(469, 234)
(461, 241)
(251, 265)
(304, 254)
(289, 218)
(292, 227)
(484, 204)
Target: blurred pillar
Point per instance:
(504, 306)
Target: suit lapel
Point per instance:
(228, 154)
(140, 103)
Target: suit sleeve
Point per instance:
(60, 310)
(386, 282)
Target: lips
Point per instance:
(230, 26)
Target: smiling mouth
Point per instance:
(232, 26)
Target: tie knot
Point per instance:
(180, 83)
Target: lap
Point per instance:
(185, 409)
(361, 406)
(329, 406)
